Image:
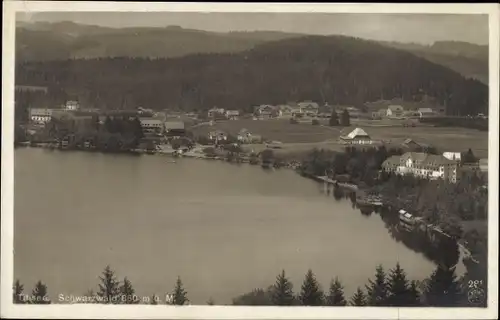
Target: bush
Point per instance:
(294, 121)
(315, 122)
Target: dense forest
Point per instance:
(42, 41)
(336, 69)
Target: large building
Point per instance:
(356, 136)
(152, 125)
(422, 165)
(40, 115)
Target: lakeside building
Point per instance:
(40, 115)
(426, 112)
(422, 165)
(151, 125)
(72, 105)
(175, 129)
(356, 136)
(454, 156)
(217, 135)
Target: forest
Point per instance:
(386, 288)
(333, 69)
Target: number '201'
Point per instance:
(475, 283)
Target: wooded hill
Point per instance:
(333, 69)
(43, 41)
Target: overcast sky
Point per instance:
(421, 28)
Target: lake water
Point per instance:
(223, 228)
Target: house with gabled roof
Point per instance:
(395, 111)
(356, 136)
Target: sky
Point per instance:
(418, 28)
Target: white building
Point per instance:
(232, 114)
(356, 136)
(72, 105)
(455, 156)
(422, 165)
(425, 112)
(41, 115)
(152, 125)
(395, 111)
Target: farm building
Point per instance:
(356, 136)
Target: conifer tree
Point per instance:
(336, 294)
(414, 299)
(345, 120)
(128, 293)
(443, 289)
(377, 291)
(311, 293)
(179, 295)
(109, 288)
(398, 288)
(210, 302)
(17, 295)
(334, 119)
(359, 298)
(282, 291)
(40, 294)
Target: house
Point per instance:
(425, 112)
(40, 115)
(246, 136)
(483, 164)
(266, 111)
(214, 112)
(72, 105)
(217, 136)
(175, 128)
(309, 108)
(394, 111)
(353, 112)
(356, 136)
(151, 125)
(454, 156)
(232, 114)
(412, 145)
(422, 165)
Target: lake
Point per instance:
(225, 229)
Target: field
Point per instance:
(300, 138)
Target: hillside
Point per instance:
(43, 41)
(468, 59)
(334, 69)
(67, 40)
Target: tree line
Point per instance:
(393, 288)
(337, 70)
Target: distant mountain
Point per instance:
(43, 41)
(468, 59)
(67, 40)
(334, 69)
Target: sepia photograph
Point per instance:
(235, 158)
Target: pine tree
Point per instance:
(334, 119)
(359, 298)
(345, 120)
(336, 295)
(377, 291)
(179, 295)
(40, 294)
(311, 293)
(128, 293)
(443, 289)
(282, 291)
(109, 288)
(210, 302)
(414, 299)
(399, 288)
(17, 295)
